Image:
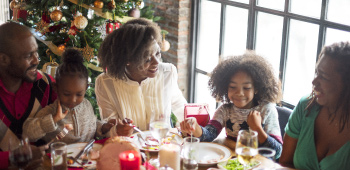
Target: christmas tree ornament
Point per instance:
(134, 12)
(98, 4)
(111, 5)
(88, 52)
(90, 14)
(50, 67)
(61, 47)
(73, 30)
(20, 12)
(13, 4)
(80, 21)
(45, 17)
(112, 25)
(56, 15)
(165, 44)
(102, 29)
(42, 27)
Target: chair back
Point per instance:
(283, 116)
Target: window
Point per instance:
(4, 11)
(288, 33)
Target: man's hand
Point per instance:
(37, 158)
(59, 115)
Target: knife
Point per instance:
(88, 145)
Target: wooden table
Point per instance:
(221, 139)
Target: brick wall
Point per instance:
(177, 21)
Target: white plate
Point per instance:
(147, 134)
(74, 149)
(222, 164)
(212, 153)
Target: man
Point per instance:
(23, 89)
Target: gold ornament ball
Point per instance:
(98, 4)
(13, 4)
(61, 47)
(80, 22)
(165, 45)
(56, 15)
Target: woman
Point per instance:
(136, 84)
(317, 134)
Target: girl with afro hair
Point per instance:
(248, 89)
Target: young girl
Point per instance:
(248, 89)
(71, 109)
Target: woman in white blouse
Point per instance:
(135, 84)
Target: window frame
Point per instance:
(251, 34)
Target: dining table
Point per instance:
(221, 140)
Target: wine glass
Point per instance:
(246, 146)
(20, 153)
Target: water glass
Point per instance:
(58, 156)
(189, 153)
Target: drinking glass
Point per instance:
(189, 153)
(20, 153)
(246, 146)
(159, 129)
(58, 156)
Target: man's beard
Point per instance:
(23, 75)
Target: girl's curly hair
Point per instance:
(264, 82)
(130, 43)
(339, 52)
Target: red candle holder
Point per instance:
(130, 160)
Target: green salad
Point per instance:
(233, 164)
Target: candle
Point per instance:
(130, 160)
(169, 154)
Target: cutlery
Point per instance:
(143, 141)
(137, 129)
(87, 146)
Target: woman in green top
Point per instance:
(318, 132)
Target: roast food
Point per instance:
(109, 154)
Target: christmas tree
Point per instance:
(81, 24)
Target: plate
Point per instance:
(212, 153)
(235, 161)
(74, 149)
(175, 138)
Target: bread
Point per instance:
(109, 154)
